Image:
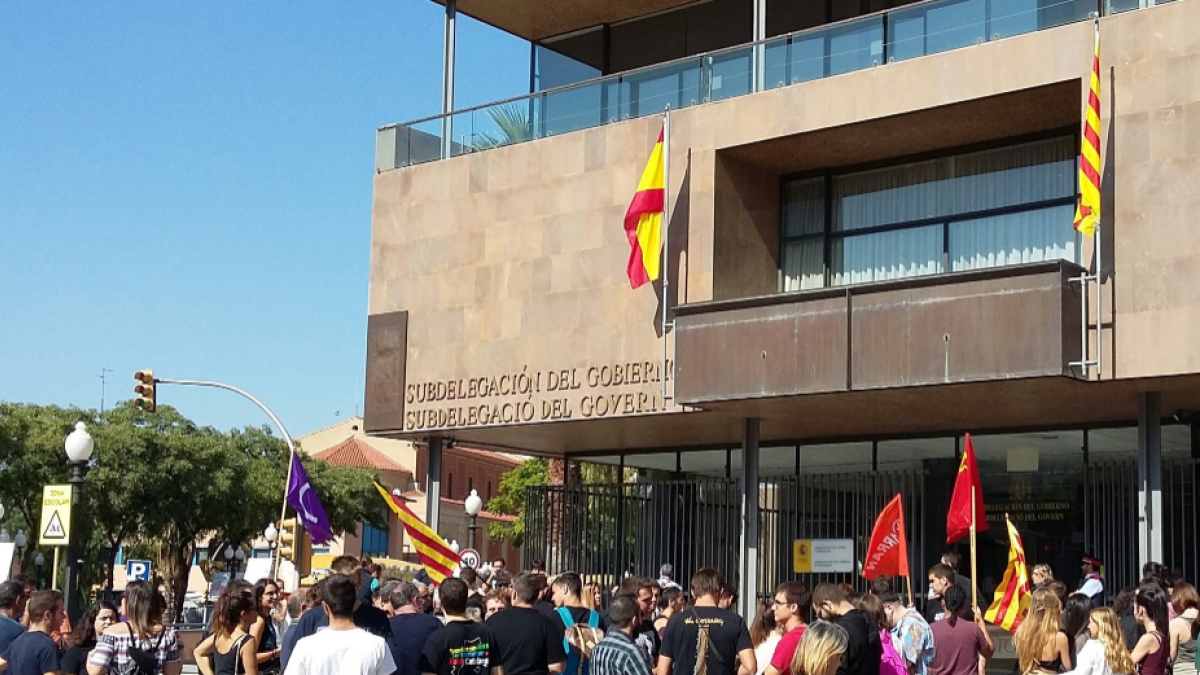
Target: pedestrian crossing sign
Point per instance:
(56, 516)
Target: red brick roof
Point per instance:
(482, 514)
(356, 454)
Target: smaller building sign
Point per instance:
(822, 556)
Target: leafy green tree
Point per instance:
(158, 483)
(510, 500)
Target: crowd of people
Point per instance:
(355, 622)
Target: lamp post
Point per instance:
(37, 563)
(473, 506)
(20, 541)
(79, 446)
(1, 511)
(271, 534)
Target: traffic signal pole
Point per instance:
(247, 395)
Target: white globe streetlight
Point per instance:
(473, 505)
(39, 560)
(79, 444)
(20, 540)
(229, 553)
(4, 536)
(454, 545)
(271, 534)
(239, 555)
(1, 511)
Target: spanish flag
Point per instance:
(643, 220)
(1011, 603)
(435, 555)
(1088, 212)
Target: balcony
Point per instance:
(1004, 323)
(904, 33)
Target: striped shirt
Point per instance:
(618, 654)
(112, 650)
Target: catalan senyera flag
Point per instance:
(1011, 603)
(435, 554)
(966, 486)
(643, 219)
(1087, 214)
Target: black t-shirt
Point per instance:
(527, 641)
(460, 648)
(933, 608)
(545, 607)
(727, 637)
(864, 651)
(32, 653)
(409, 634)
(74, 660)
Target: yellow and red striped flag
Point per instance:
(643, 220)
(435, 554)
(1088, 212)
(1011, 602)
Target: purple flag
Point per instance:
(303, 498)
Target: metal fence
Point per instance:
(833, 506)
(606, 531)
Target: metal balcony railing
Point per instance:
(908, 32)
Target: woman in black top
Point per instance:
(82, 640)
(231, 650)
(266, 596)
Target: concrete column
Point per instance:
(448, 38)
(1150, 525)
(433, 486)
(748, 590)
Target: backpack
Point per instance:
(144, 662)
(579, 639)
(891, 663)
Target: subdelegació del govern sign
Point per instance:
(531, 396)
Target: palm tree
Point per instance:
(512, 122)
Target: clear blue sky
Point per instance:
(187, 186)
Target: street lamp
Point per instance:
(4, 537)
(20, 541)
(473, 506)
(79, 446)
(1, 511)
(454, 546)
(38, 562)
(271, 534)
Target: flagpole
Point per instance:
(1099, 259)
(666, 247)
(974, 574)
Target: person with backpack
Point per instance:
(581, 626)
(230, 650)
(891, 662)
(705, 639)
(142, 645)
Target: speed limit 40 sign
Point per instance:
(469, 558)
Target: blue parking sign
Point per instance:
(137, 570)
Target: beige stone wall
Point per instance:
(512, 260)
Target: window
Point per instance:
(489, 491)
(450, 485)
(374, 541)
(995, 207)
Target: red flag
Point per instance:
(958, 521)
(888, 552)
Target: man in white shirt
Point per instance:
(342, 648)
(1092, 584)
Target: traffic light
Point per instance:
(146, 401)
(304, 558)
(287, 540)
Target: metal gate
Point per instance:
(1113, 527)
(834, 506)
(607, 531)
